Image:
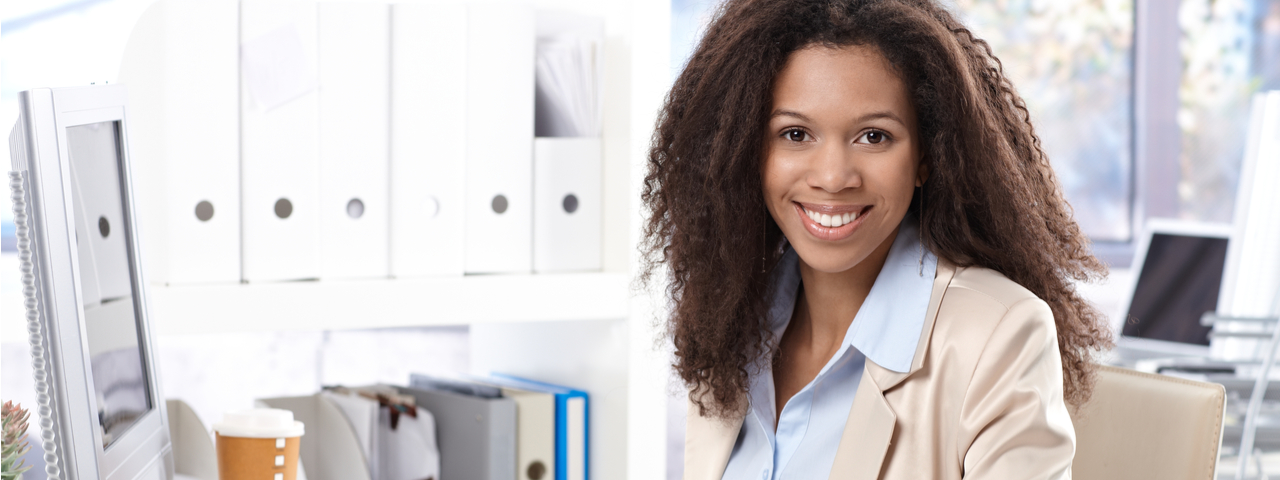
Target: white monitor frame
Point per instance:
(1251, 283)
(1154, 227)
(39, 152)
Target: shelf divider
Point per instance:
(382, 303)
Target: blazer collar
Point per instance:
(886, 378)
(871, 422)
(889, 324)
(709, 441)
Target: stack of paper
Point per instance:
(568, 86)
(397, 438)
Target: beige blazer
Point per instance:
(983, 398)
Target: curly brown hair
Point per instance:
(991, 199)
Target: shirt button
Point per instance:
(764, 475)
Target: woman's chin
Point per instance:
(831, 258)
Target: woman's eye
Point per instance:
(873, 137)
(796, 135)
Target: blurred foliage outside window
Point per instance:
(1072, 62)
(1230, 50)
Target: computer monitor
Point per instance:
(1178, 268)
(82, 278)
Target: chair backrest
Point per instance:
(1140, 425)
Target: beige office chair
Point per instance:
(1140, 425)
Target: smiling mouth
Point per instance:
(831, 222)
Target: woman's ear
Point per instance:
(922, 174)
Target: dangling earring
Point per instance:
(920, 211)
(764, 245)
(920, 228)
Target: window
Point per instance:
(1230, 49)
(1071, 61)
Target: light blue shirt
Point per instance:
(886, 330)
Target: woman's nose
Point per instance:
(833, 168)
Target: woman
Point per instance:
(871, 262)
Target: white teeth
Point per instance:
(827, 220)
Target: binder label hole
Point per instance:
(499, 204)
(431, 207)
(204, 210)
(570, 203)
(104, 227)
(536, 470)
(355, 208)
(284, 208)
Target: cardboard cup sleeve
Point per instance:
(258, 444)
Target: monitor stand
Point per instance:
(1131, 350)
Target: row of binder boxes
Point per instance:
(501, 428)
(279, 141)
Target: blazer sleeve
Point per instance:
(1013, 420)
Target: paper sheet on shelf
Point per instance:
(277, 68)
(406, 452)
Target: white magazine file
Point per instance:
(354, 71)
(499, 138)
(279, 159)
(568, 154)
(182, 69)
(428, 78)
(568, 211)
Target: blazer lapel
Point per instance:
(869, 429)
(866, 434)
(708, 442)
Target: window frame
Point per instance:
(1157, 74)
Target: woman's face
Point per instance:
(842, 157)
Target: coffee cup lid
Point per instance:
(259, 423)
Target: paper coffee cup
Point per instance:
(258, 444)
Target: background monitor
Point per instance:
(1178, 270)
(69, 150)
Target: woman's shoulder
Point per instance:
(988, 328)
(981, 299)
(990, 284)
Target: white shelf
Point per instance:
(380, 303)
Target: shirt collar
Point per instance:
(888, 325)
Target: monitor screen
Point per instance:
(1180, 279)
(107, 280)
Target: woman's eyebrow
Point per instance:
(789, 113)
(878, 115)
(885, 114)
